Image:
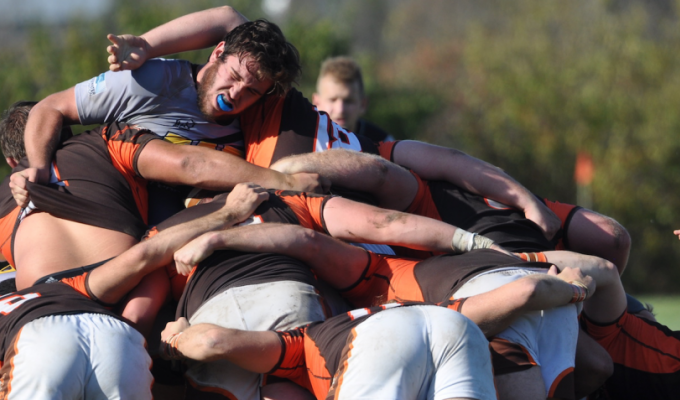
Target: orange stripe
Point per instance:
(6, 229)
(57, 174)
(11, 363)
(345, 364)
(557, 381)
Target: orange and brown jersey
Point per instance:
(646, 357)
(277, 127)
(285, 207)
(433, 280)
(311, 356)
(94, 180)
(19, 308)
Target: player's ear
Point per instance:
(11, 162)
(315, 99)
(217, 52)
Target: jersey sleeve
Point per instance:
(125, 143)
(116, 96)
(292, 364)
(308, 208)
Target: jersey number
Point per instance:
(9, 304)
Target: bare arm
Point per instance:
(610, 300)
(113, 280)
(250, 350)
(189, 32)
(335, 262)
(43, 129)
(358, 222)
(440, 163)
(215, 170)
(495, 310)
(393, 186)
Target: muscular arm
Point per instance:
(333, 261)
(43, 128)
(357, 222)
(250, 350)
(189, 32)
(440, 163)
(113, 280)
(495, 310)
(393, 186)
(214, 170)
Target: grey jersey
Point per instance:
(160, 96)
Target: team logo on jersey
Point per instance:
(184, 124)
(97, 84)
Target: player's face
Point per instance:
(343, 103)
(227, 88)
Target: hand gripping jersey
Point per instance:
(646, 357)
(159, 96)
(278, 127)
(94, 181)
(389, 352)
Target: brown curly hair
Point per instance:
(273, 56)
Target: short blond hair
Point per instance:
(343, 69)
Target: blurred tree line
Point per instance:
(524, 85)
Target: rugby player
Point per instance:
(379, 353)
(364, 278)
(340, 93)
(97, 199)
(280, 126)
(60, 340)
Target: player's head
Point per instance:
(253, 60)
(340, 91)
(12, 131)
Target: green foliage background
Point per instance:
(524, 85)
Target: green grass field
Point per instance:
(666, 309)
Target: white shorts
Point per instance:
(548, 337)
(91, 356)
(267, 306)
(416, 352)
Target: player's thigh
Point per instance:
(46, 357)
(461, 357)
(120, 362)
(387, 357)
(521, 385)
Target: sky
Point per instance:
(50, 11)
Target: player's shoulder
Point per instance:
(158, 75)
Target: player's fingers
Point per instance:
(553, 270)
(113, 39)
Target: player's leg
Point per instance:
(593, 366)
(268, 306)
(120, 363)
(145, 300)
(588, 232)
(609, 300)
(521, 385)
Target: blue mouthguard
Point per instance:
(224, 105)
